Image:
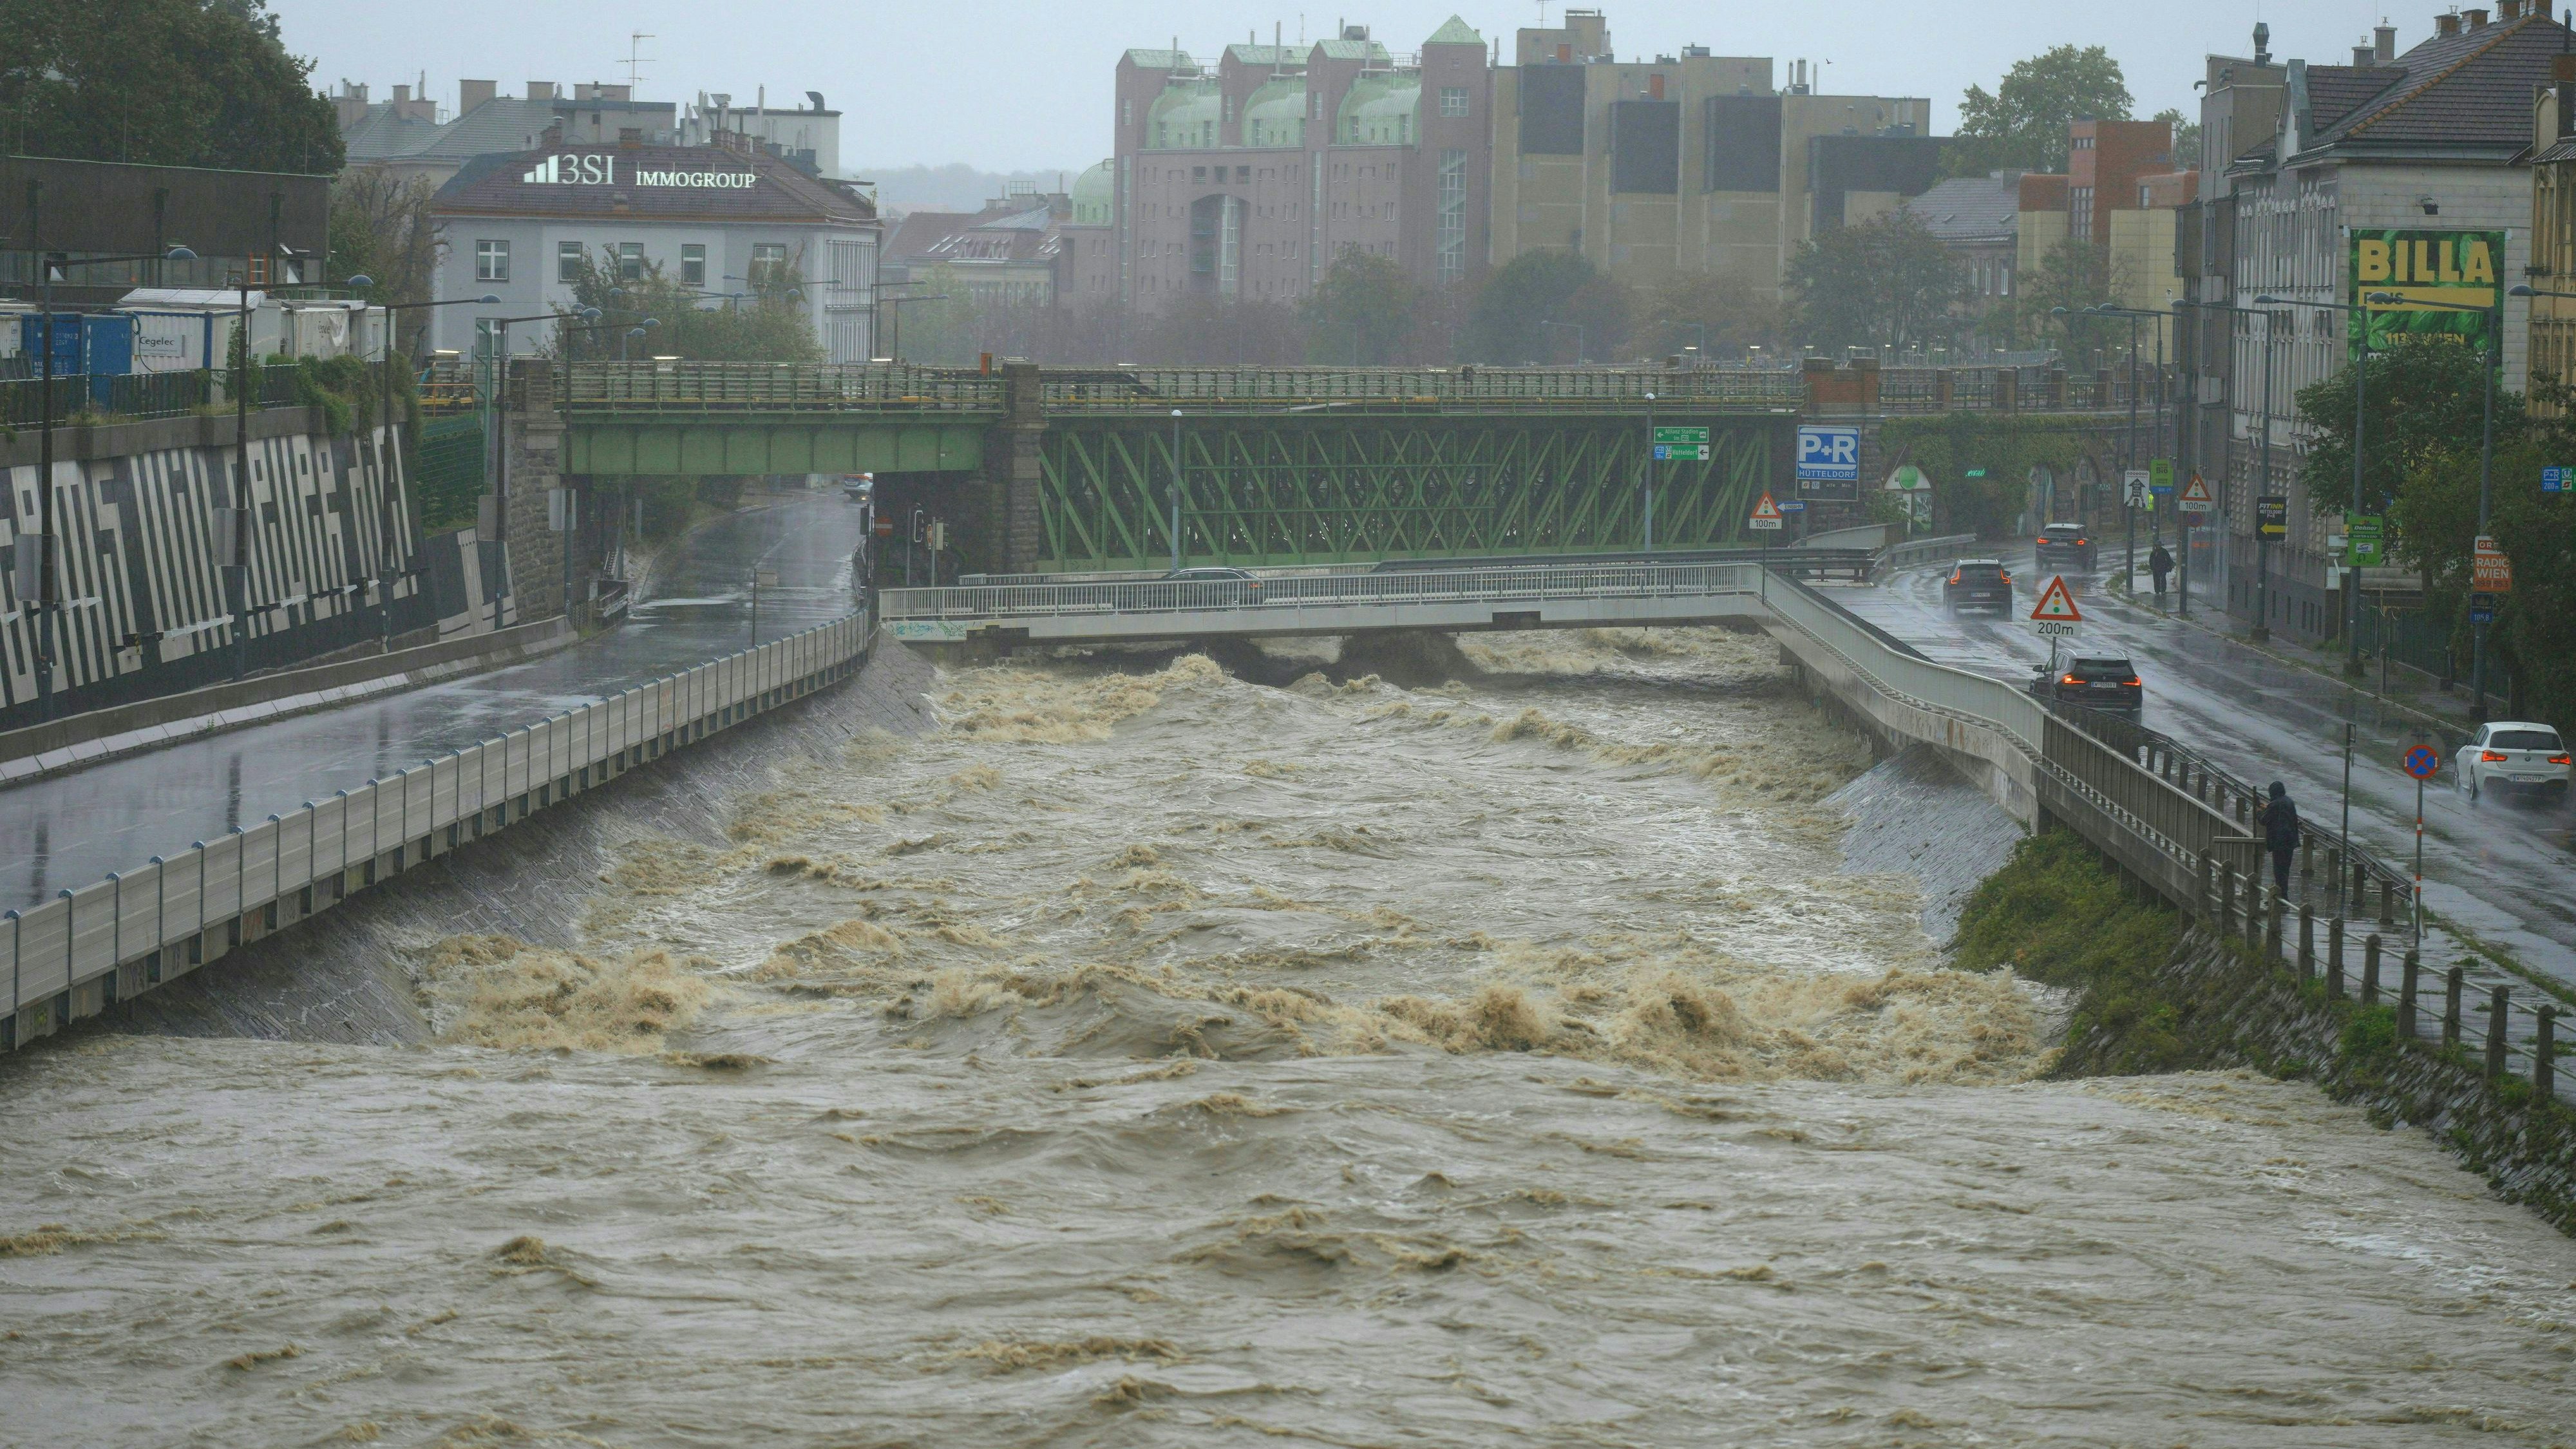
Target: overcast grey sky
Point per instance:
(1012, 85)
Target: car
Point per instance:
(2094, 681)
(1978, 583)
(858, 487)
(2063, 546)
(2506, 756)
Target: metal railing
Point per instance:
(1915, 553)
(774, 386)
(107, 942)
(1515, 388)
(122, 397)
(1501, 584)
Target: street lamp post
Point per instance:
(1176, 490)
(2356, 317)
(2494, 362)
(47, 580)
(1650, 472)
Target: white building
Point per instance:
(519, 227)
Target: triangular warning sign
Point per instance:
(1766, 508)
(2056, 605)
(2197, 491)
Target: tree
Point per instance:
(381, 230)
(2427, 400)
(1362, 310)
(2186, 138)
(1719, 313)
(1549, 306)
(769, 326)
(2074, 275)
(2023, 123)
(1887, 282)
(164, 82)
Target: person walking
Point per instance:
(2280, 822)
(2160, 563)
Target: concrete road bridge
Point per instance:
(1055, 470)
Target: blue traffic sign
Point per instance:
(2556, 480)
(2423, 762)
(1829, 455)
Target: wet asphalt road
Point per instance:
(2501, 869)
(70, 830)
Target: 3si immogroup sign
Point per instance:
(2441, 281)
(600, 169)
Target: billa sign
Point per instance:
(2442, 282)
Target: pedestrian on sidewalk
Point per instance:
(2280, 822)
(2160, 563)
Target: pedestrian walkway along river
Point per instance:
(1146, 1055)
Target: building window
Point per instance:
(491, 261)
(487, 336)
(693, 264)
(2079, 212)
(630, 261)
(768, 262)
(568, 261)
(1450, 253)
(1453, 100)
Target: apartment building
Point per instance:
(2416, 159)
(1248, 176)
(1688, 163)
(718, 218)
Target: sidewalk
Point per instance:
(2402, 690)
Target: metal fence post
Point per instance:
(2370, 972)
(2307, 942)
(2451, 983)
(2544, 1050)
(2498, 1014)
(2273, 919)
(2408, 984)
(2334, 957)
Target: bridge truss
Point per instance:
(1318, 488)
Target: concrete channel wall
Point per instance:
(87, 949)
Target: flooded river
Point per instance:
(1149, 1056)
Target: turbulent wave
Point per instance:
(1149, 1055)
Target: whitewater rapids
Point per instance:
(1147, 1056)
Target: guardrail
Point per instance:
(1506, 584)
(90, 948)
(1916, 552)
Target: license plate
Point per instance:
(2097, 684)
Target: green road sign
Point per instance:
(1975, 473)
(2160, 474)
(2368, 547)
(1687, 444)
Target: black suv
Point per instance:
(2096, 682)
(1978, 583)
(2063, 546)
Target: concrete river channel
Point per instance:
(1126, 1050)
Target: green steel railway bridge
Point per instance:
(1050, 470)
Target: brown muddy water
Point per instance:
(1153, 1057)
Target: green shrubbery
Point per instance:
(2058, 915)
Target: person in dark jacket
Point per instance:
(2160, 563)
(2280, 822)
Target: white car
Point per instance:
(2510, 755)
